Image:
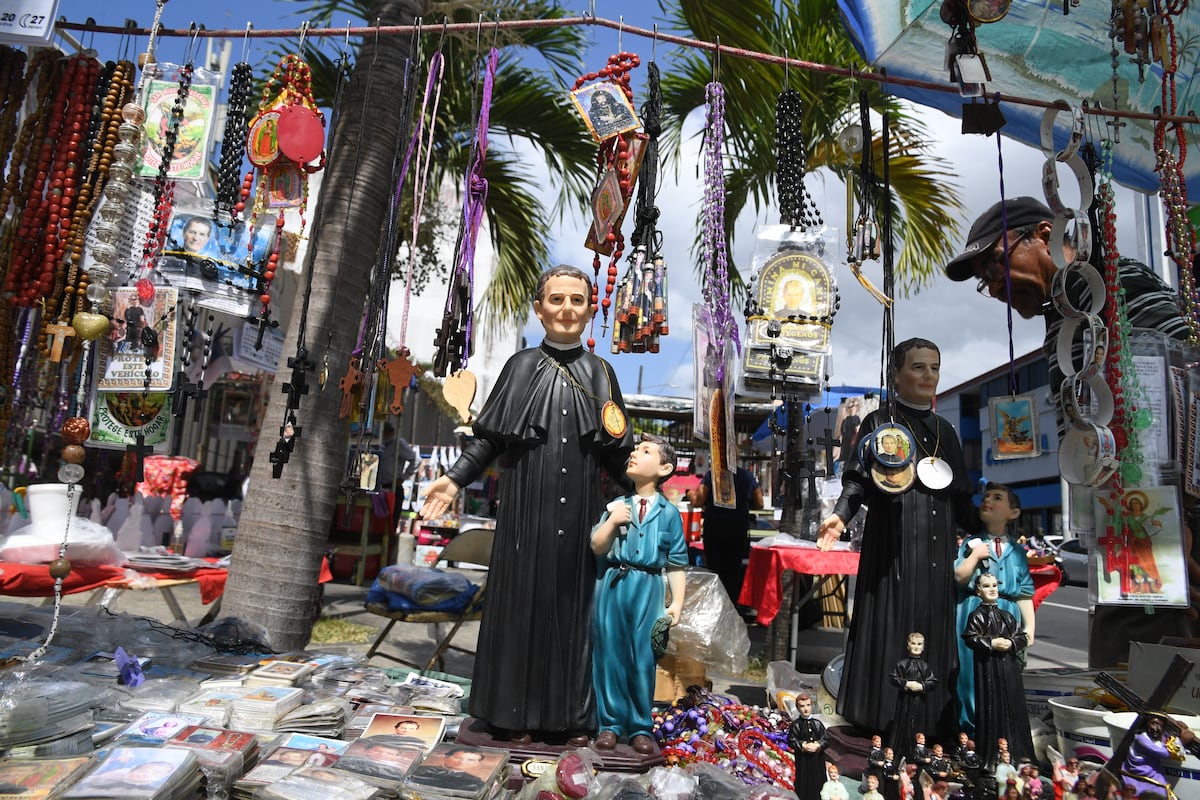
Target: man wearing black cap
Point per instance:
(1022, 226)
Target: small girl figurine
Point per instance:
(1005, 559)
(636, 539)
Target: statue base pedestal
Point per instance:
(623, 758)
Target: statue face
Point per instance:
(988, 588)
(917, 378)
(996, 507)
(916, 646)
(564, 309)
(804, 706)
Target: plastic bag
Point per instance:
(710, 629)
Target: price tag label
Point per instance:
(28, 21)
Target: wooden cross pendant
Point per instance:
(349, 382)
(58, 333)
(400, 371)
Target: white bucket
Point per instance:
(1080, 727)
(48, 502)
(1185, 776)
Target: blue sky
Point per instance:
(970, 329)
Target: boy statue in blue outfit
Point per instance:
(991, 551)
(637, 537)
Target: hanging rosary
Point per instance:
(459, 387)
(641, 298)
(607, 108)
(297, 386)
(284, 139)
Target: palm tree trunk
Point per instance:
(285, 522)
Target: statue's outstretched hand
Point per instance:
(438, 497)
(830, 532)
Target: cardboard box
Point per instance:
(674, 674)
(1149, 662)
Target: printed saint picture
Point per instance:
(134, 772)
(1014, 423)
(605, 109)
(222, 260)
(1139, 548)
(142, 338)
(424, 731)
(892, 446)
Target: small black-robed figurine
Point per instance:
(995, 637)
(807, 738)
(913, 678)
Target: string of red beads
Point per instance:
(46, 219)
(612, 153)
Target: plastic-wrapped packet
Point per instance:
(671, 783)
(783, 684)
(768, 791)
(572, 778)
(614, 786)
(713, 783)
(160, 694)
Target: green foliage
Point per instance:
(518, 221)
(925, 204)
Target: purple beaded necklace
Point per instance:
(718, 315)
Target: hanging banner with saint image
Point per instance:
(189, 158)
(142, 339)
(1139, 559)
(222, 260)
(118, 418)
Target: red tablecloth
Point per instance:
(762, 590)
(33, 580)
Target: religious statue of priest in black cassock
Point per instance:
(995, 637)
(807, 738)
(554, 420)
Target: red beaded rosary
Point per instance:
(620, 155)
(284, 138)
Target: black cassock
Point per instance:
(999, 691)
(909, 716)
(889, 784)
(810, 767)
(543, 420)
(905, 580)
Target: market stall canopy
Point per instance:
(1035, 52)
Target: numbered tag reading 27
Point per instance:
(28, 21)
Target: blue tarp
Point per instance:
(831, 398)
(1034, 52)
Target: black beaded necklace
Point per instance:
(233, 142)
(164, 188)
(796, 206)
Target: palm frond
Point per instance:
(924, 198)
